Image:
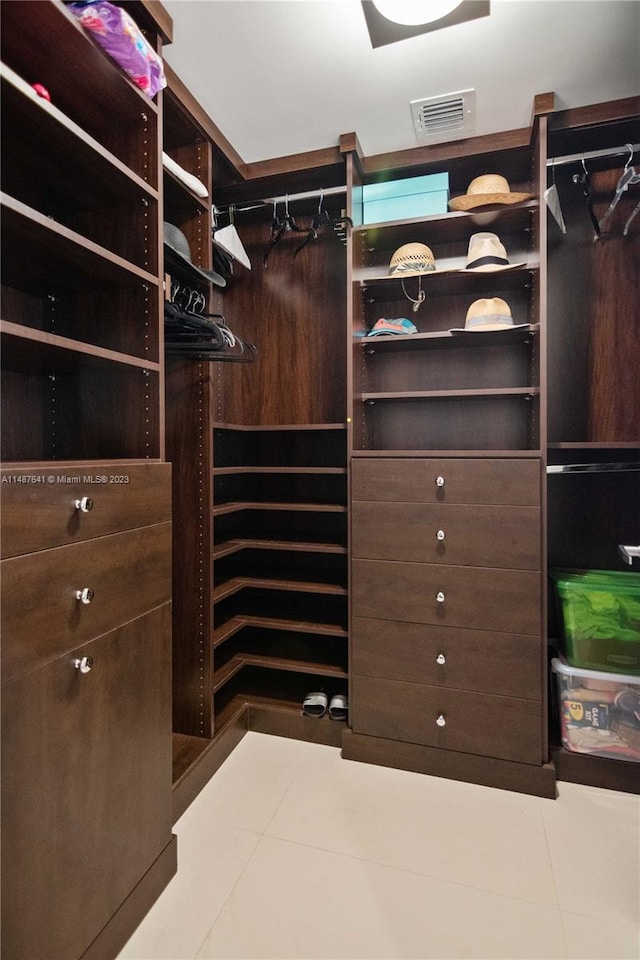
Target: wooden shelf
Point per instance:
(225, 508)
(448, 227)
(276, 427)
(236, 663)
(446, 283)
(236, 624)
(263, 583)
(446, 339)
(178, 196)
(53, 136)
(28, 350)
(40, 255)
(473, 454)
(451, 394)
(295, 546)
(286, 471)
(595, 445)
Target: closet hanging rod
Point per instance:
(593, 155)
(307, 195)
(592, 467)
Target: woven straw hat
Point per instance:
(488, 314)
(486, 254)
(486, 190)
(412, 259)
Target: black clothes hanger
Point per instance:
(582, 179)
(190, 332)
(322, 218)
(280, 226)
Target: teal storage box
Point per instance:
(432, 183)
(601, 618)
(405, 199)
(405, 207)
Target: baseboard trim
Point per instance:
(187, 788)
(604, 772)
(295, 726)
(452, 765)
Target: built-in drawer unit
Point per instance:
(504, 600)
(492, 726)
(507, 482)
(452, 533)
(50, 507)
(505, 664)
(67, 595)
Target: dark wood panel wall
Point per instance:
(294, 312)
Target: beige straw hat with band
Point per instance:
(486, 190)
(488, 314)
(412, 259)
(486, 254)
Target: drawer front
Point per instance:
(39, 512)
(504, 600)
(489, 536)
(501, 727)
(86, 787)
(505, 664)
(515, 482)
(42, 617)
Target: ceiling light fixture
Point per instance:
(391, 20)
(412, 13)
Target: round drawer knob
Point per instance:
(441, 721)
(84, 505)
(440, 535)
(440, 596)
(85, 595)
(439, 481)
(441, 659)
(83, 665)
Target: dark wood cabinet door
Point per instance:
(467, 534)
(86, 786)
(507, 601)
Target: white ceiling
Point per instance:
(286, 76)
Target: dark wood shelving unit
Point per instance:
(87, 494)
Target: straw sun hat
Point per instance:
(412, 259)
(486, 190)
(486, 315)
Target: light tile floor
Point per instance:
(292, 852)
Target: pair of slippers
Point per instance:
(316, 705)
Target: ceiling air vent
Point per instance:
(450, 117)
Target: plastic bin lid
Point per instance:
(559, 666)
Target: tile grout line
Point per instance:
(261, 835)
(414, 873)
(555, 884)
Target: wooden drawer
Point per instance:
(498, 663)
(39, 512)
(504, 600)
(130, 573)
(86, 787)
(515, 482)
(491, 726)
(489, 536)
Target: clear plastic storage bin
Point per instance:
(599, 712)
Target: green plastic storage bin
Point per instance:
(601, 618)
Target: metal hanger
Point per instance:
(629, 175)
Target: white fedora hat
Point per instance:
(485, 191)
(488, 314)
(486, 254)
